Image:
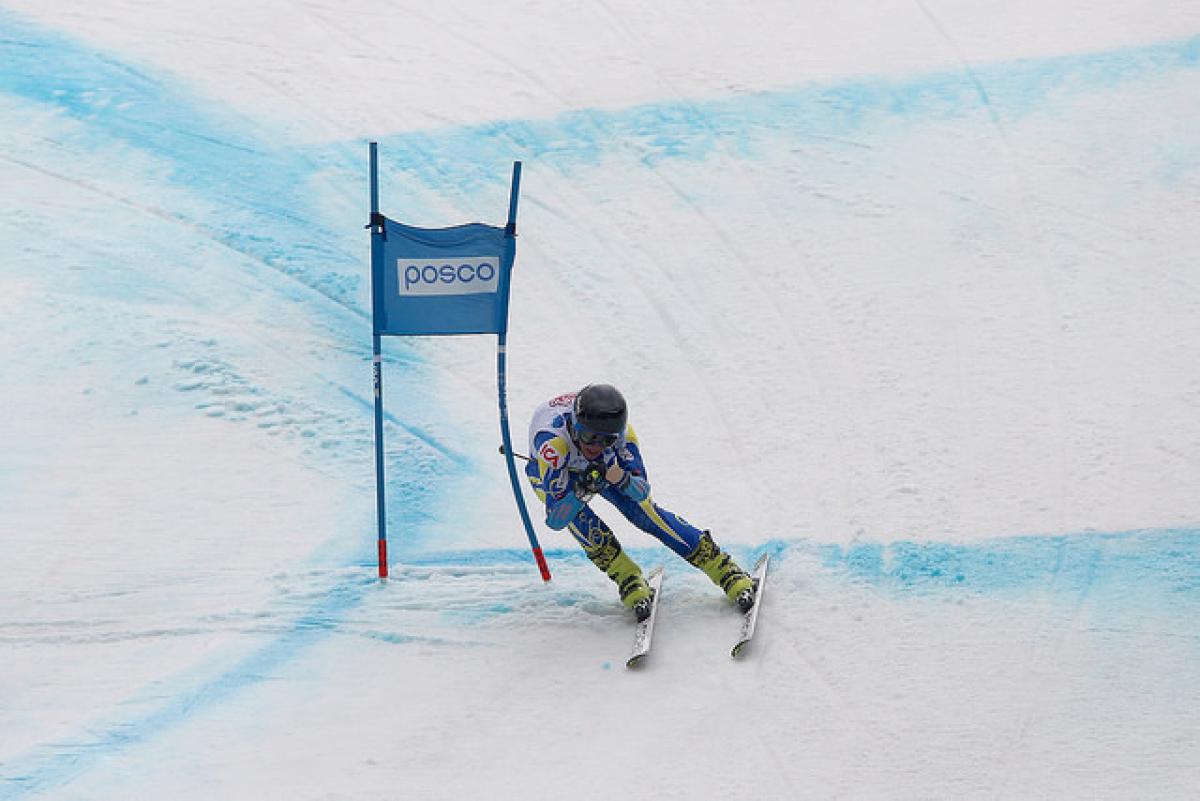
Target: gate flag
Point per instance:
(442, 281)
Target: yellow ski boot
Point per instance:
(724, 572)
(635, 592)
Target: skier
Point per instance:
(581, 446)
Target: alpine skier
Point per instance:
(581, 446)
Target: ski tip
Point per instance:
(737, 649)
(635, 661)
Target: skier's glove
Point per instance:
(590, 481)
(615, 473)
(628, 482)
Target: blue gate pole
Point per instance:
(510, 230)
(377, 363)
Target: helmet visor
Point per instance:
(589, 437)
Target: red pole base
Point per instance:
(383, 565)
(541, 563)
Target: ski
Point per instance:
(644, 632)
(750, 618)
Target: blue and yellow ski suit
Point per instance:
(555, 466)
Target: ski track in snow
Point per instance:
(268, 330)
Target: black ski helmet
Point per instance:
(600, 410)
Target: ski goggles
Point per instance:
(586, 437)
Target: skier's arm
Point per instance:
(555, 482)
(561, 511)
(627, 469)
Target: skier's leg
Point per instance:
(667, 527)
(605, 552)
(694, 545)
(724, 572)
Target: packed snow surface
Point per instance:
(905, 294)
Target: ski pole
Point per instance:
(518, 455)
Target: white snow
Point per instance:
(905, 293)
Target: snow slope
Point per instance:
(904, 293)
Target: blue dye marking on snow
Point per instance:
(460, 459)
(258, 191)
(1165, 563)
(258, 188)
(263, 183)
(743, 125)
(1121, 571)
(486, 556)
(55, 764)
(397, 638)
